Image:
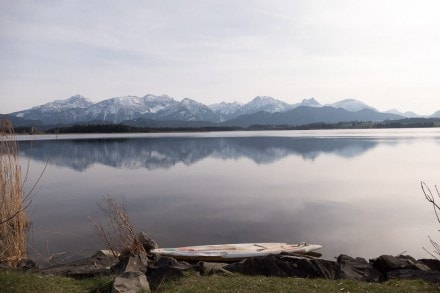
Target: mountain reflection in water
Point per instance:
(156, 153)
(356, 193)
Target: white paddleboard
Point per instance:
(233, 252)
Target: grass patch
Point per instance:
(15, 281)
(240, 283)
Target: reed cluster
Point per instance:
(117, 230)
(13, 221)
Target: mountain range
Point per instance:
(164, 111)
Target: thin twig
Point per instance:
(431, 199)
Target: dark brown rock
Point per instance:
(26, 264)
(433, 264)
(165, 268)
(4, 266)
(358, 269)
(286, 266)
(428, 276)
(98, 264)
(387, 263)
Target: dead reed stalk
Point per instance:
(117, 232)
(432, 198)
(13, 219)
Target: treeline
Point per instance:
(95, 128)
(403, 123)
(410, 123)
(121, 128)
(21, 130)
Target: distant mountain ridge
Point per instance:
(307, 115)
(164, 110)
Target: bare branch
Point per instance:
(431, 199)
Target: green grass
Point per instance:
(14, 281)
(240, 283)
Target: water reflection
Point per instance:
(155, 153)
(355, 195)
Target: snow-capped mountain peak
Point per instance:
(264, 103)
(188, 110)
(264, 100)
(154, 98)
(225, 108)
(310, 103)
(351, 105)
(157, 103)
(76, 101)
(128, 107)
(78, 109)
(188, 102)
(436, 114)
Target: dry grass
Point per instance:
(117, 232)
(13, 219)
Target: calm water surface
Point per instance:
(355, 192)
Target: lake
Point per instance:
(352, 191)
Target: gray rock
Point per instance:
(26, 264)
(131, 263)
(98, 264)
(4, 266)
(146, 241)
(358, 269)
(387, 263)
(166, 268)
(286, 266)
(131, 282)
(420, 266)
(406, 257)
(210, 268)
(131, 271)
(169, 262)
(433, 264)
(428, 276)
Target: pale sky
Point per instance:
(382, 52)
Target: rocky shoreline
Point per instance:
(144, 270)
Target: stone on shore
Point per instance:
(211, 268)
(146, 241)
(131, 282)
(357, 269)
(131, 270)
(433, 264)
(97, 265)
(406, 267)
(166, 268)
(286, 266)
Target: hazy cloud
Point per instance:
(381, 52)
